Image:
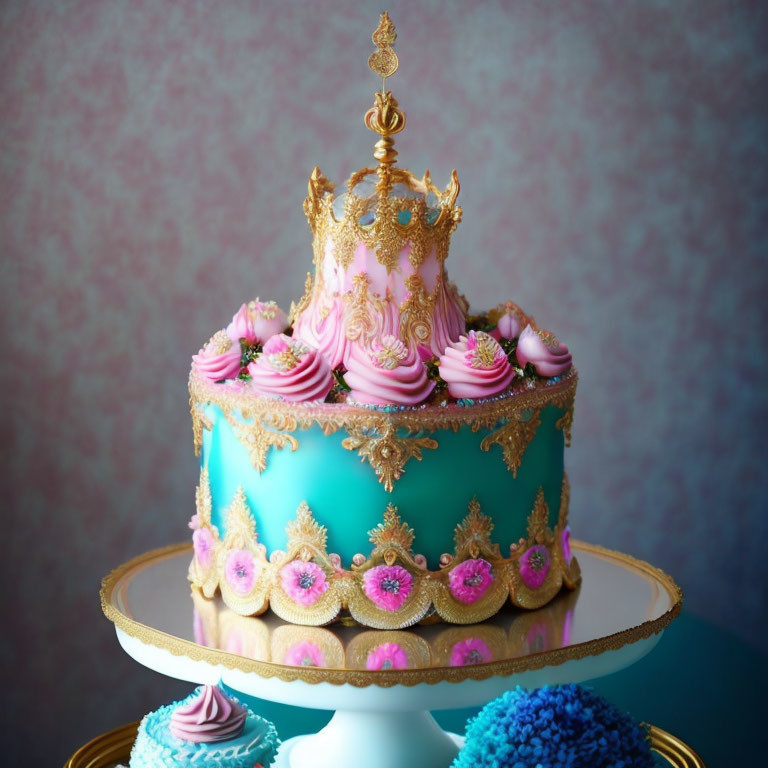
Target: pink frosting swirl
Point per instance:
(544, 352)
(257, 321)
(219, 358)
(476, 366)
(210, 716)
(289, 369)
(387, 373)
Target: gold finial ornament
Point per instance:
(384, 117)
(384, 60)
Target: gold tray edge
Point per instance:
(110, 748)
(409, 677)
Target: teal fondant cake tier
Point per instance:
(317, 508)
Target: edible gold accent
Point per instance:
(305, 536)
(114, 583)
(539, 531)
(266, 422)
(241, 526)
(206, 578)
(258, 438)
(384, 61)
(513, 438)
(473, 534)
(565, 422)
(392, 537)
(385, 451)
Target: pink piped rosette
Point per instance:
(387, 373)
(211, 716)
(476, 366)
(511, 321)
(544, 352)
(290, 370)
(219, 359)
(257, 321)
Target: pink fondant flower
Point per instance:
(303, 582)
(469, 580)
(304, 654)
(476, 366)
(202, 542)
(534, 566)
(470, 651)
(544, 352)
(219, 359)
(257, 321)
(388, 586)
(290, 370)
(387, 656)
(565, 540)
(241, 571)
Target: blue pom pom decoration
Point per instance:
(565, 726)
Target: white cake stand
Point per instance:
(382, 718)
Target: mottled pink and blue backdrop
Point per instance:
(154, 160)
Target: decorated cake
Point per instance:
(380, 451)
(209, 729)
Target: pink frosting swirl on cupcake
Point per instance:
(475, 366)
(256, 322)
(219, 358)
(289, 369)
(544, 352)
(210, 716)
(387, 373)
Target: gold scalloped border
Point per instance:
(392, 540)
(385, 679)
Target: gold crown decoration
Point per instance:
(401, 221)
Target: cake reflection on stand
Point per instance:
(268, 638)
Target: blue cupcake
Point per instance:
(208, 729)
(564, 726)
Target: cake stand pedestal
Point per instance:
(382, 716)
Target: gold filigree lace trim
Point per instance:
(392, 542)
(384, 439)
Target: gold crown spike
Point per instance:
(384, 117)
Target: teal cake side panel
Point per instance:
(345, 494)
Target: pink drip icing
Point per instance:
(466, 379)
(370, 382)
(210, 716)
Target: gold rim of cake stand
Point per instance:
(388, 678)
(114, 747)
(107, 750)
